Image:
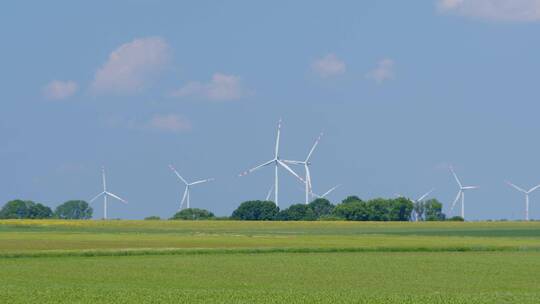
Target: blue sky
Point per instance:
(401, 90)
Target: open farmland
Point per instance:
(269, 262)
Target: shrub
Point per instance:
(193, 214)
(256, 211)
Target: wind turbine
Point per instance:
(326, 193)
(526, 196)
(188, 186)
(461, 193)
(105, 194)
(276, 161)
(421, 198)
(306, 163)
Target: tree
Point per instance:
(433, 211)
(352, 210)
(297, 212)
(40, 211)
(456, 219)
(350, 199)
(400, 209)
(378, 209)
(152, 218)
(256, 211)
(193, 214)
(74, 210)
(16, 209)
(321, 207)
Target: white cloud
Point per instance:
(169, 122)
(131, 66)
(328, 66)
(384, 71)
(221, 87)
(57, 90)
(507, 10)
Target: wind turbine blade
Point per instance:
(455, 201)
(330, 191)
(97, 196)
(256, 168)
(202, 181)
(469, 187)
(308, 177)
(293, 162)
(116, 197)
(178, 174)
(534, 188)
(456, 177)
(269, 193)
(425, 195)
(284, 165)
(516, 187)
(184, 197)
(276, 152)
(313, 147)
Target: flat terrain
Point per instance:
(268, 262)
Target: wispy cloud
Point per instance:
(221, 87)
(506, 10)
(131, 66)
(328, 66)
(384, 71)
(169, 123)
(58, 90)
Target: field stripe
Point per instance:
(205, 251)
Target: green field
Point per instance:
(268, 262)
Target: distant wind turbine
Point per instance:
(277, 162)
(186, 195)
(461, 193)
(306, 163)
(105, 194)
(526, 196)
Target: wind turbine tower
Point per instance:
(106, 194)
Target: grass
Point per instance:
(55, 261)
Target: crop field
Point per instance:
(53, 261)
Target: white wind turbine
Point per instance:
(306, 163)
(188, 186)
(526, 196)
(461, 193)
(276, 161)
(421, 198)
(326, 193)
(105, 194)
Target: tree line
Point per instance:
(351, 208)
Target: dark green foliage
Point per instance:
(350, 199)
(256, 211)
(352, 210)
(74, 210)
(152, 218)
(297, 212)
(40, 211)
(321, 207)
(16, 209)
(19, 209)
(456, 219)
(433, 211)
(193, 214)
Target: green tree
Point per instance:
(40, 211)
(379, 209)
(16, 209)
(456, 219)
(400, 209)
(74, 210)
(352, 210)
(256, 211)
(433, 211)
(350, 199)
(297, 212)
(193, 214)
(321, 207)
